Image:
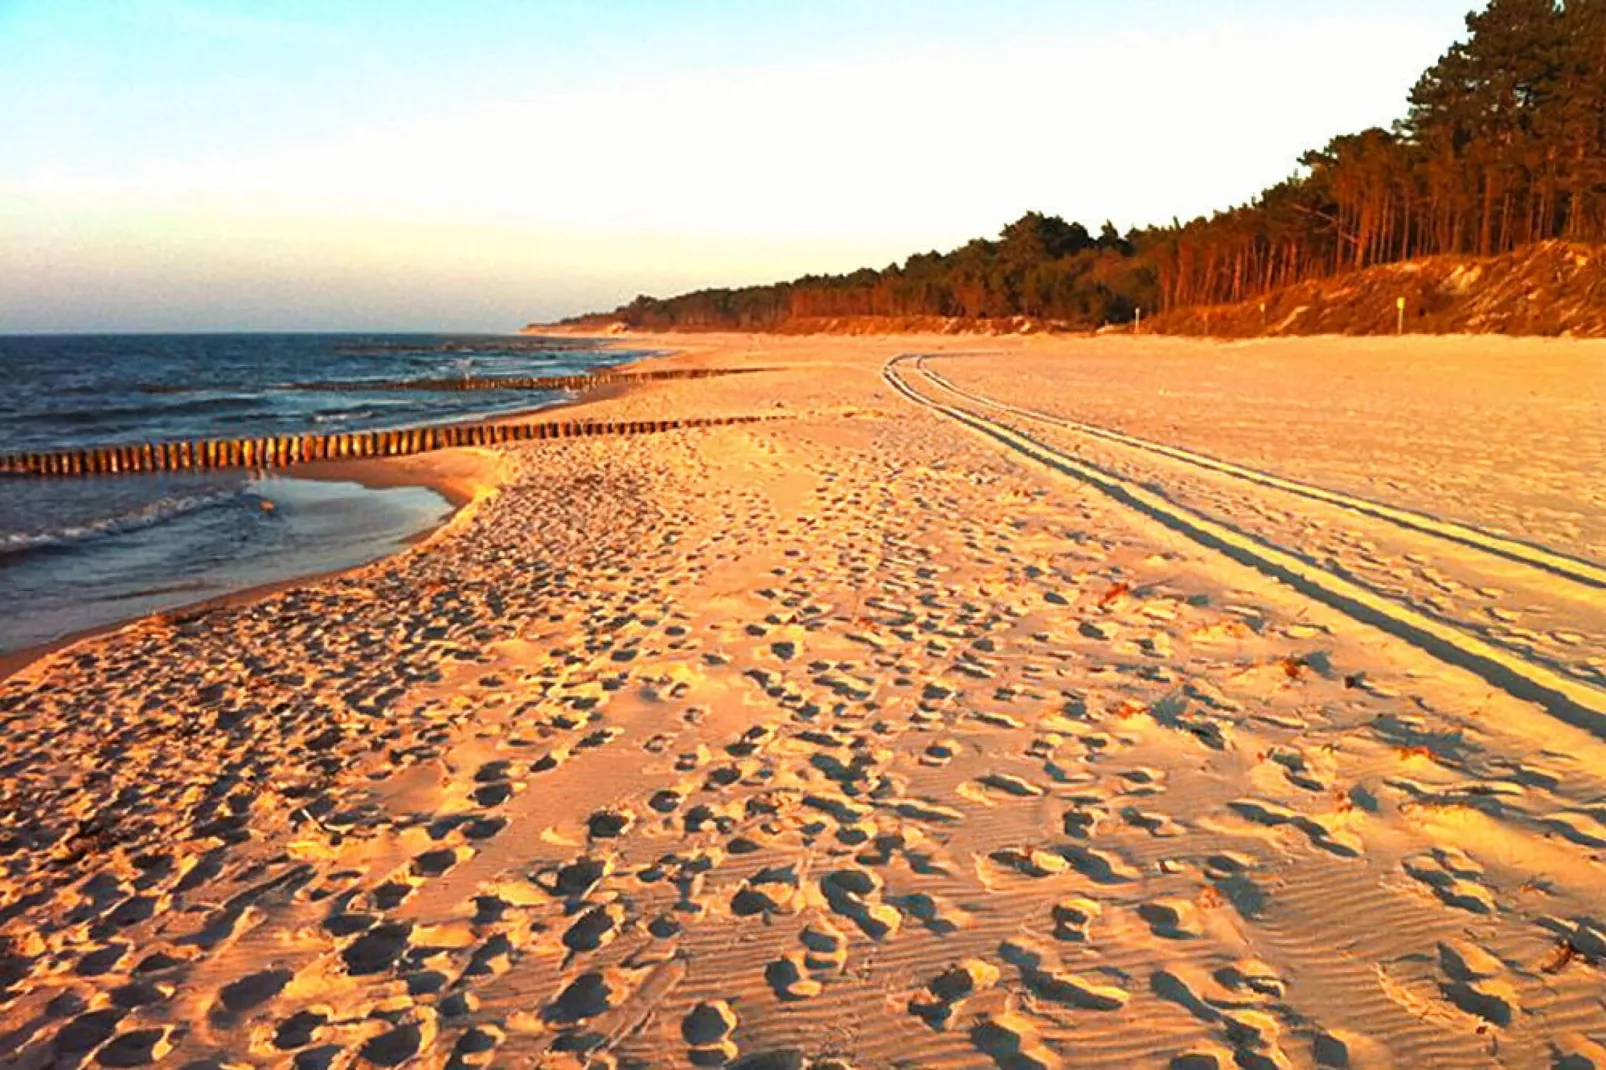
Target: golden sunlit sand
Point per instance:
(1044, 701)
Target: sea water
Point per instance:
(84, 552)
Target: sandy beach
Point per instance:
(1031, 701)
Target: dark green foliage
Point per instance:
(1040, 266)
(1504, 144)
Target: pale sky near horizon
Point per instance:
(324, 165)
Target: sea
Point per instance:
(86, 552)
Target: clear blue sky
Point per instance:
(285, 164)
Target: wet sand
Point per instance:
(1067, 703)
(456, 476)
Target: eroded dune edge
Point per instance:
(863, 737)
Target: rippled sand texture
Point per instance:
(916, 730)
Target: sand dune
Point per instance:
(908, 731)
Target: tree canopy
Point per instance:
(1503, 144)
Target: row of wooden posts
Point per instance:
(516, 382)
(285, 450)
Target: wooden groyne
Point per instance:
(526, 382)
(285, 450)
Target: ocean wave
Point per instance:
(113, 412)
(157, 512)
(352, 416)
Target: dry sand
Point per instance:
(1265, 731)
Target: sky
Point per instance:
(173, 165)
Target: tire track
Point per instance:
(1565, 697)
(1558, 581)
(1585, 572)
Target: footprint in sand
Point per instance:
(436, 863)
(1009, 784)
(476, 1045)
(1042, 973)
(1298, 769)
(825, 947)
(1252, 979)
(250, 991)
(847, 892)
(1451, 876)
(1475, 982)
(1011, 1040)
(1084, 816)
(588, 995)
(492, 958)
(667, 800)
(1173, 919)
(751, 740)
(493, 786)
(769, 891)
(1034, 862)
(932, 912)
(302, 1028)
(377, 950)
(550, 760)
(403, 1042)
(594, 928)
(1332, 839)
(937, 1003)
(1142, 780)
(1254, 1034)
(1579, 826)
(574, 879)
(1157, 825)
(707, 1028)
(607, 824)
(137, 1047)
(790, 978)
(1101, 867)
(1073, 917)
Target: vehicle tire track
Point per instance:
(1585, 572)
(1563, 696)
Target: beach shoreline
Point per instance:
(452, 480)
(461, 476)
(921, 708)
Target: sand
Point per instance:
(1083, 702)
